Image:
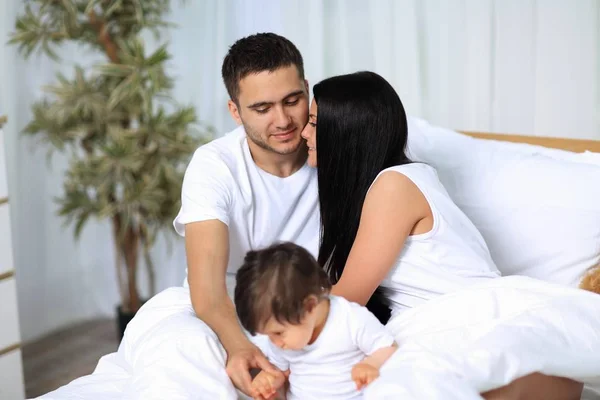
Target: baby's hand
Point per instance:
(363, 374)
(265, 385)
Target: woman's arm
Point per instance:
(392, 209)
(537, 387)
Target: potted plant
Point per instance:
(128, 141)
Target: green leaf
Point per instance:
(91, 5)
(138, 12)
(70, 9)
(117, 5)
(116, 70)
(124, 91)
(158, 57)
(80, 224)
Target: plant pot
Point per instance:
(122, 319)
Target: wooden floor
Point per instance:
(62, 356)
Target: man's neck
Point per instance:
(281, 165)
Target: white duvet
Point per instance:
(453, 347)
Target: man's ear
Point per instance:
(234, 111)
(307, 87)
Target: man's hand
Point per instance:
(266, 384)
(363, 374)
(239, 363)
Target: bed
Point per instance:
(534, 199)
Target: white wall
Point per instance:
(514, 66)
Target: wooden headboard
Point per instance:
(575, 145)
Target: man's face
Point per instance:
(273, 107)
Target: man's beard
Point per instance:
(260, 142)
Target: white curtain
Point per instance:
(512, 66)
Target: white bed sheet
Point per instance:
(452, 347)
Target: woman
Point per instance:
(396, 220)
(387, 222)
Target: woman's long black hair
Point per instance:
(361, 130)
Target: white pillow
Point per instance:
(538, 209)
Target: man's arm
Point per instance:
(207, 249)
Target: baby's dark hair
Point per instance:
(275, 282)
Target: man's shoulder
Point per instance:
(226, 150)
(230, 143)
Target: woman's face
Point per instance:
(310, 134)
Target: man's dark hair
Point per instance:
(275, 282)
(257, 53)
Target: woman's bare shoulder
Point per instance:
(395, 187)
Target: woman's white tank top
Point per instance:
(451, 256)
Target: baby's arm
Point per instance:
(265, 385)
(375, 341)
(366, 371)
(380, 356)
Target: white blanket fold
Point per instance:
(487, 336)
(453, 347)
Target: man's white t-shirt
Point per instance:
(222, 182)
(323, 369)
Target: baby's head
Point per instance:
(278, 293)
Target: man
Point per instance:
(250, 188)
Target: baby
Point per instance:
(328, 347)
